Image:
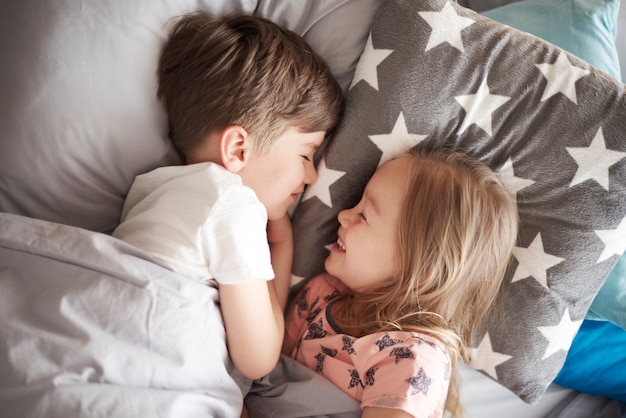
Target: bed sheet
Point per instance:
(483, 398)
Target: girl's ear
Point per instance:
(234, 147)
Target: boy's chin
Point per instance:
(276, 214)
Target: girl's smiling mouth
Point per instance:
(340, 245)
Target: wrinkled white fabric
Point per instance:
(93, 327)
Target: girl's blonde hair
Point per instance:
(456, 233)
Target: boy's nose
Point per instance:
(310, 174)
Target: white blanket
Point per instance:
(90, 326)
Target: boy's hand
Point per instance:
(279, 231)
(280, 239)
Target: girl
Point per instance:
(416, 265)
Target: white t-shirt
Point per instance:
(201, 221)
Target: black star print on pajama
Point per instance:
(369, 377)
(312, 309)
(419, 383)
(347, 344)
(448, 371)
(301, 302)
(316, 330)
(423, 340)
(386, 341)
(332, 296)
(355, 378)
(321, 356)
(402, 353)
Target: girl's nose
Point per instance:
(344, 217)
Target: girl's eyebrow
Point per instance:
(373, 203)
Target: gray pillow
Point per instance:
(435, 73)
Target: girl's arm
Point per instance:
(374, 412)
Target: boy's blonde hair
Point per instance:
(457, 230)
(243, 70)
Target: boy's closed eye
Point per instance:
(309, 151)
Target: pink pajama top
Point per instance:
(402, 370)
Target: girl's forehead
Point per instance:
(387, 185)
(394, 169)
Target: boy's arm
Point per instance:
(253, 311)
(280, 238)
(254, 326)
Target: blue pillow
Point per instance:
(610, 302)
(585, 28)
(596, 361)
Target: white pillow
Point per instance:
(78, 106)
(79, 114)
(336, 29)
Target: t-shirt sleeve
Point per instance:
(235, 238)
(412, 374)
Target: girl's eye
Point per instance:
(362, 215)
(306, 157)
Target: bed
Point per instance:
(93, 327)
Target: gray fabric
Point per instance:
(92, 327)
(293, 390)
(404, 90)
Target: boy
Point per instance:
(248, 104)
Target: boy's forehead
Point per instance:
(312, 140)
(312, 145)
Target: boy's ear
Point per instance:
(234, 147)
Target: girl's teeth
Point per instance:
(340, 244)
